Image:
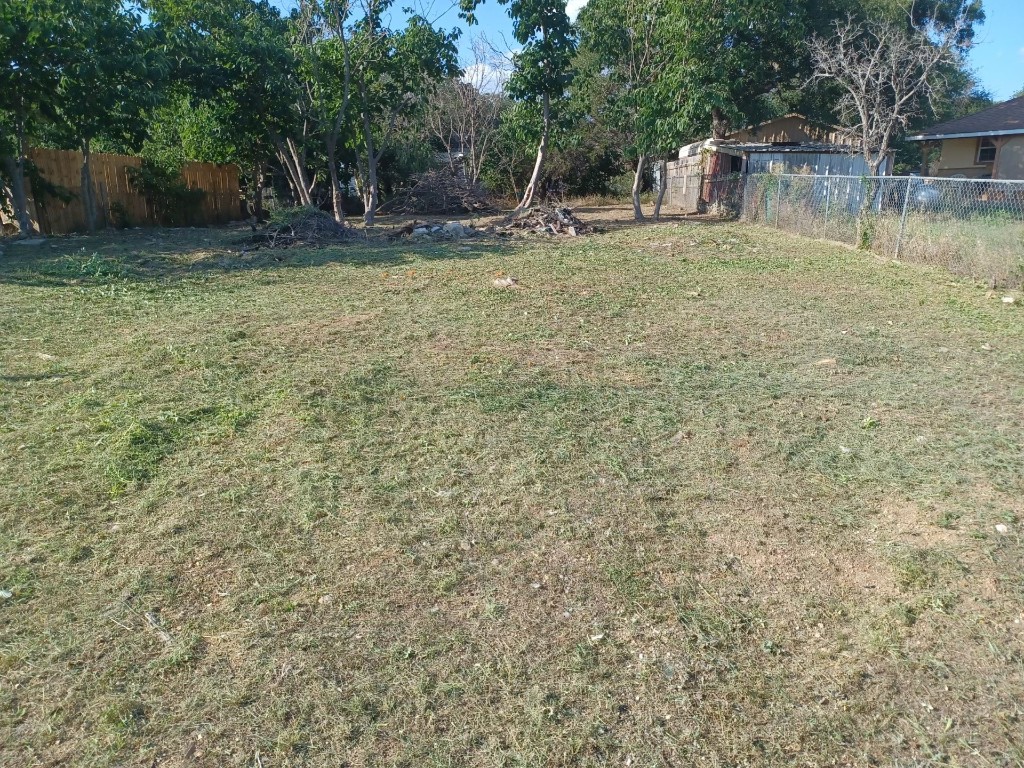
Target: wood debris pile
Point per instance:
(301, 226)
(546, 220)
(439, 192)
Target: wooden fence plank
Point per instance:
(115, 197)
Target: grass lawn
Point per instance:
(694, 495)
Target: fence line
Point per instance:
(974, 227)
(117, 202)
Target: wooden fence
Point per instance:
(117, 202)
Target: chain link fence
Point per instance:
(972, 227)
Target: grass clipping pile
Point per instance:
(545, 220)
(300, 226)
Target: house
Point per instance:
(986, 145)
(706, 171)
(789, 129)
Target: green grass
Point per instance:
(694, 495)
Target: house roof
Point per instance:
(1004, 119)
(732, 147)
(759, 126)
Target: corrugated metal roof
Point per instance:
(731, 147)
(806, 147)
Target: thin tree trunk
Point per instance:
(370, 193)
(337, 202)
(289, 173)
(542, 150)
(294, 170)
(305, 188)
(865, 235)
(662, 186)
(638, 180)
(88, 194)
(16, 170)
(257, 193)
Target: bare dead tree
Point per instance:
(888, 74)
(464, 115)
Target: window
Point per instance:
(986, 151)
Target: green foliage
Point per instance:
(235, 71)
(624, 53)
(727, 55)
(30, 49)
(181, 130)
(111, 72)
(173, 202)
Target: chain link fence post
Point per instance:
(828, 199)
(903, 219)
(778, 204)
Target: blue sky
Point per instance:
(997, 58)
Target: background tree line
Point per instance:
(338, 107)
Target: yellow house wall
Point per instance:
(1011, 159)
(958, 157)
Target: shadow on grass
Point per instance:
(612, 220)
(26, 377)
(162, 256)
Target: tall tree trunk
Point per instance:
(337, 202)
(257, 192)
(88, 193)
(371, 192)
(293, 171)
(719, 124)
(16, 170)
(298, 191)
(662, 186)
(638, 181)
(542, 150)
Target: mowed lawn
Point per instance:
(693, 495)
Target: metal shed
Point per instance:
(706, 171)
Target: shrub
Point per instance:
(171, 200)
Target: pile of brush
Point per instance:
(439, 192)
(301, 226)
(546, 220)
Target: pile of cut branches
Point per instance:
(543, 219)
(439, 192)
(301, 226)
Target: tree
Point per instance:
(621, 47)
(392, 72)
(30, 33)
(323, 51)
(110, 72)
(463, 115)
(887, 76)
(236, 71)
(542, 68)
(727, 56)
